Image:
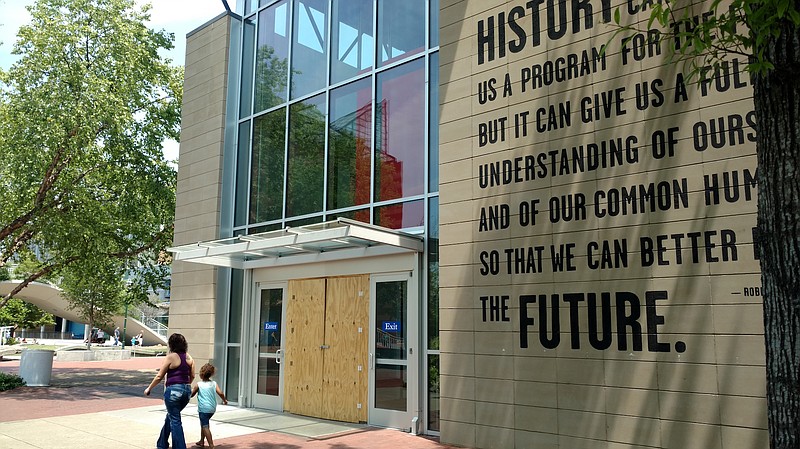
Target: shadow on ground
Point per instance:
(82, 384)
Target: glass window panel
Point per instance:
(235, 316)
(250, 6)
(242, 166)
(266, 177)
(265, 228)
(248, 50)
(272, 56)
(361, 215)
(434, 409)
(434, 28)
(232, 375)
(433, 124)
(400, 216)
(269, 376)
(400, 131)
(309, 46)
(270, 324)
(433, 274)
(401, 29)
(350, 151)
(269, 341)
(390, 320)
(305, 182)
(304, 222)
(351, 39)
(391, 387)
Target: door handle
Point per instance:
(371, 361)
(278, 356)
(324, 346)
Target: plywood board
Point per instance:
(345, 359)
(305, 315)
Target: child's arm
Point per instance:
(195, 389)
(222, 395)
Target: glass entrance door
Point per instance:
(269, 371)
(393, 353)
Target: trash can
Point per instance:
(36, 367)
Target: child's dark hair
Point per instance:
(207, 371)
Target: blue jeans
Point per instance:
(175, 398)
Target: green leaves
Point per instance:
(703, 34)
(10, 381)
(96, 290)
(83, 114)
(23, 315)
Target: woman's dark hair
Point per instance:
(207, 371)
(177, 343)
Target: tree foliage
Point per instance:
(96, 291)
(18, 313)
(22, 315)
(83, 114)
(704, 35)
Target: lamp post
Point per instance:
(124, 324)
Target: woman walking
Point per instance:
(178, 368)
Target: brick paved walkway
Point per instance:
(111, 392)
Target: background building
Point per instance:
(598, 284)
(307, 143)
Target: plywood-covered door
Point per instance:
(345, 377)
(305, 327)
(327, 347)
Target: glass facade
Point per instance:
(306, 157)
(267, 167)
(272, 52)
(401, 29)
(337, 117)
(352, 39)
(309, 46)
(400, 131)
(350, 140)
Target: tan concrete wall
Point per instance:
(197, 206)
(697, 380)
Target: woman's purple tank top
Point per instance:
(181, 374)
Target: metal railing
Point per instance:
(153, 324)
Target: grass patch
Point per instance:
(50, 347)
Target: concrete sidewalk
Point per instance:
(100, 404)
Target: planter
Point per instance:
(36, 367)
(82, 355)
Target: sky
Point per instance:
(176, 16)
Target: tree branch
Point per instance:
(149, 245)
(51, 175)
(34, 276)
(21, 239)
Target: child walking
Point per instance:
(207, 402)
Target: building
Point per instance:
(596, 282)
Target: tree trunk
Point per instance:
(777, 106)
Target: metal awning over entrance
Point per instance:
(332, 240)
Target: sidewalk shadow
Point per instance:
(88, 384)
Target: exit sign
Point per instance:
(391, 326)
